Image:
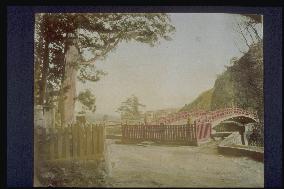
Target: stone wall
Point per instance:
(232, 145)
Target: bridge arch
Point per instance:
(242, 119)
(214, 117)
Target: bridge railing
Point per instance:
(206, 116)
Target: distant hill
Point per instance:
(202, 102)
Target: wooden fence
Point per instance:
(72, 142)
(180, 134)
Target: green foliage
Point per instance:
(87, 99)
(72, 173)
(223, 94)
(247, 74)
(240, 85)
(129, 109)
(242, 82)
(90, 73)
(93, 33)
(202, 102)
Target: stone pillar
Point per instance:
(245, 136)
(242, 133)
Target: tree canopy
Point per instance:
(95, 35)
(129, 109)
(241, 84)
(249, 28)
(87, 99)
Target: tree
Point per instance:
(58, 34)
(247, 76)
(247, 72)
(247, 26)
(242, 83)
(87, 99)
(250, 23)
(129, 109)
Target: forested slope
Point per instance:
(240, 84)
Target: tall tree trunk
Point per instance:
(67, 104)
(42, 87)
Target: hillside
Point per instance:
(240, 84)
(202, 102)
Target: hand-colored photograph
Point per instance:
(148, 100)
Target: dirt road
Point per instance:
(180, 166)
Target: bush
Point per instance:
(72, 173)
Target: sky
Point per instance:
(172, 73)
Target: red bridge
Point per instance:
(213, 117)
(175, 129)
